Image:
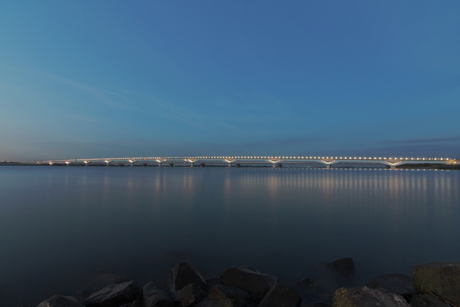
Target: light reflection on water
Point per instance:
(64, 224)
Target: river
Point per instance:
(61, 226)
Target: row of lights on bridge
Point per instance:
(132, 160)
(322, 158)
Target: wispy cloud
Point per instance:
(107, 97)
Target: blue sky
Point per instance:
(83, 79)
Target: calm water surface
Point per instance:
(61, 226)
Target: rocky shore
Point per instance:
(432, 284)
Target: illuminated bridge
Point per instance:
(237, 161)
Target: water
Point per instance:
(61, 226)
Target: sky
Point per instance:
(90, 79)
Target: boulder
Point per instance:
(281, 295)
(154, 297)
(306, 282)
(97, 283)
(397, 283)
(426, 300)
(344, 266)
(132, 304)
(186, 284)
(222, 292)
(60, 301)
(211, 282)
(442, 279)
(248, 279)
(114, 295)
(218, 303)
(367, 297)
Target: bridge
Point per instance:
(237, 161)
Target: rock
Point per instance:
(154, 297)
(211, 282)
(248, 279)
(367, 297)
(344, 266)
(114, 295)
(426, 300)
(442, 279)
(186, 284)
(306, 282)
(60, 301)
(222, 292)
(397, 283)
(218, 303)
(97, 283)
(318, 304)
(132, 304)
(281, 295)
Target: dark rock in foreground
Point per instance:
(397, 283)
(222, 292)
(426, 300)
(306, 282)
(367, 297)
(186, 284)
(248, 279)
(281, 295)
(114, 295)
(154, 297)
(60, 301)
(99, 282)
(442, 279)
(344, 266)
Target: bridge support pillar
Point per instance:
(328, 166)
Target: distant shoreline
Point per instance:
(404, 166)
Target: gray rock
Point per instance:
(442, 279)
(186, 284)
(426, 300)
(114, 295)
(281, 295)
(211, 282)
(218, 303)
(344, 266)
(397, 283)
(60, 301)
(97, 283)
(154, 297)
(222, 292)
(248, 279)
(306, 282)
(367, 297)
